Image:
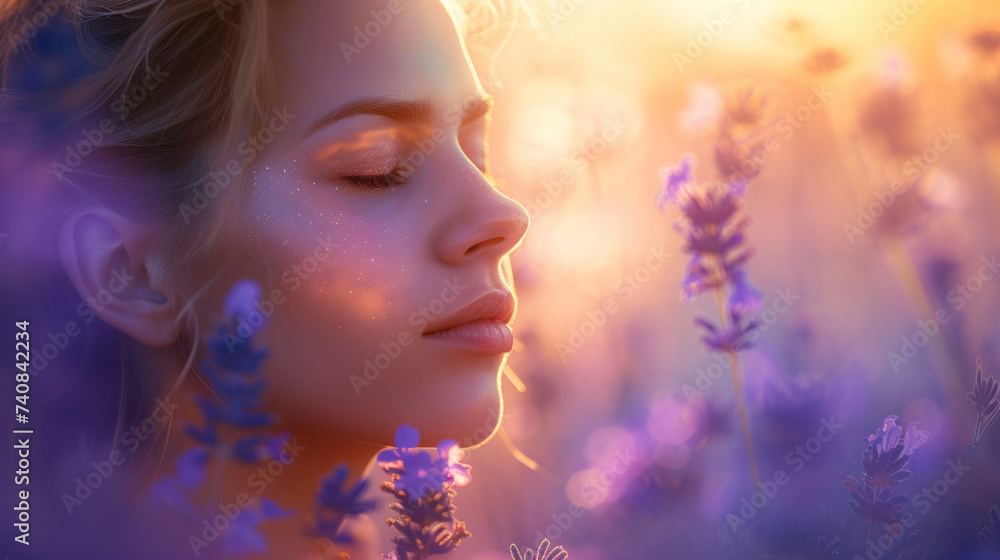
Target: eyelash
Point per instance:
(384, 181)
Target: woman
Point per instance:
(333, 152)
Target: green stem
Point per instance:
(741, 406)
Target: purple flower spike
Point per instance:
(407, 437)
(674, 178)
(424, 488)
(451, 454)
(887, 435)
(739, 334)
(241, 299)
(191, 467)
(883, 465)
(744, 298)
(419, 475)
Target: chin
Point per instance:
(455, 398)
(471, 423)
(465, 405)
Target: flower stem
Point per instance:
(741, 406)
(868, 541)
(219, 476)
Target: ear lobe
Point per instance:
(107, 263)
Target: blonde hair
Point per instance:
(177, 86)
(218, 79)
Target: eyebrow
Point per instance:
(403, 112)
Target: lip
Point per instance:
(482, 326)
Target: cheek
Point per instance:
(344, 355)
(328, 257)
(344, 283)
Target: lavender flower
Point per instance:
(984, 393)
(874, 503)
(334, 504)
(743, 298)
(232, 373)
(890, 435)
(713, 227)
(884, 465)
(673, 180)
(418, 471)
(734, 337)
(984, 398)
(557, 553)
(241, 538)
(190, 474)
(738, 148)
(424, 489)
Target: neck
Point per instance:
(313, 455)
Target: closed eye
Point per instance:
(394, 178)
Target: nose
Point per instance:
(483, 224)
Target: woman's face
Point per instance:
(370, 221)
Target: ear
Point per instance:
(107, 261)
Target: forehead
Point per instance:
(329, 52)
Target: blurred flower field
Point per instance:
(793, 204)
